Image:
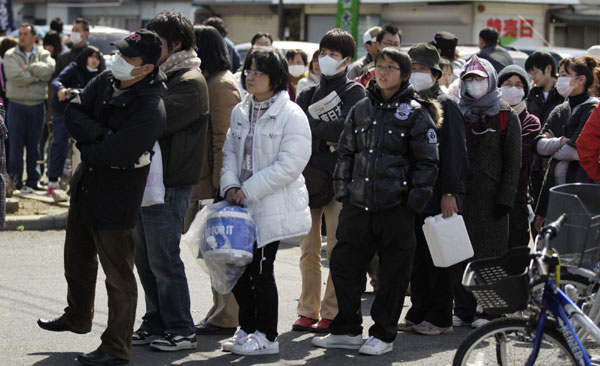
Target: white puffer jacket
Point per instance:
(277, 198)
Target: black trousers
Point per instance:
(430, 286)
(256, 293)
(84, 245)
(361, 234)
(518, 226)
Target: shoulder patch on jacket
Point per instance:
(432, 136)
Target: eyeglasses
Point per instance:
(253, 73)
(386, 68)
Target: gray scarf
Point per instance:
(475, 110)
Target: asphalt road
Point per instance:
(32, 285)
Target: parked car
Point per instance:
(283, 46)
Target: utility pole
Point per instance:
(281, 12)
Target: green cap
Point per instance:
(426, 54)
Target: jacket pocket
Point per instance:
(363, 135)
(270, 141)
(394, 140)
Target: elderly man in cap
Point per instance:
(116, 120)
(446, 42)
(360, 65)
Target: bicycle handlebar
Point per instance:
(552, 229)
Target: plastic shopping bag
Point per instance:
(154, 193)
(222, 236)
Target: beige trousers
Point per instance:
(310, 264)
(224, 312)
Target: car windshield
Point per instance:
(102, 41)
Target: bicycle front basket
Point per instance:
(500, 284)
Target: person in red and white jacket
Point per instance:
(588, 146)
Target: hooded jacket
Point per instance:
(388, 152)
(113, 131)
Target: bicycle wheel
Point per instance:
(509, 341)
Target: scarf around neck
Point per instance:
(187, 59)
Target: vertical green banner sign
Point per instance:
(347, 16)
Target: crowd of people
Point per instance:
(362, 151)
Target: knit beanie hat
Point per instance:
(511, 70)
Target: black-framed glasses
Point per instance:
(254, 73)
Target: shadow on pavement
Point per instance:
(56, 358)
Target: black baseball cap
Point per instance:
(141, 43)
(445, 40)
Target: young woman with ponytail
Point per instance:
(579, 83)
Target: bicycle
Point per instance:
(504, 285)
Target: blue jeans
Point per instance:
(159, 265)
(58, 150)
(25, 123)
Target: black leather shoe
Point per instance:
(205, 328)
(56, 325)
(101, 358)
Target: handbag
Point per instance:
(154, 193)
(319, 183)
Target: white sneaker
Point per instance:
(239, 337)
(375, 347)
(171, 342)
(344, 341)
(479, 322)
(458, 322)
(256, 344)
(427, 328)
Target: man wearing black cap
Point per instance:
(116, 120)
(446, 42)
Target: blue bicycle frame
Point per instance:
(562, 308)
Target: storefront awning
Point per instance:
(577, 18)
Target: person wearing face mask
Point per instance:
(314, 74)
(431, 287)
(578, 78)
(297, 62)
(78, 38)
(75, 76)
(116, 121)
(514, 87)
(385, 174)
(326, 105)
(494, 149)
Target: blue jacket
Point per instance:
(72, 77)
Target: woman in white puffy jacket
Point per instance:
(267, 147)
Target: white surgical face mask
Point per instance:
(477, 88)
(76, 37)
(92, 69)
(511, 94)
(122, 69)
(296, 70)
(421, 81)
(563, 86)
(329, 65)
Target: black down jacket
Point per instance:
(387, 153)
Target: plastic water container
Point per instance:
(230, 235)
(447, 239)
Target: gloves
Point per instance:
(501, 210)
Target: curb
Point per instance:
(37, 222)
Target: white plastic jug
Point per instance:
(447, 239)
